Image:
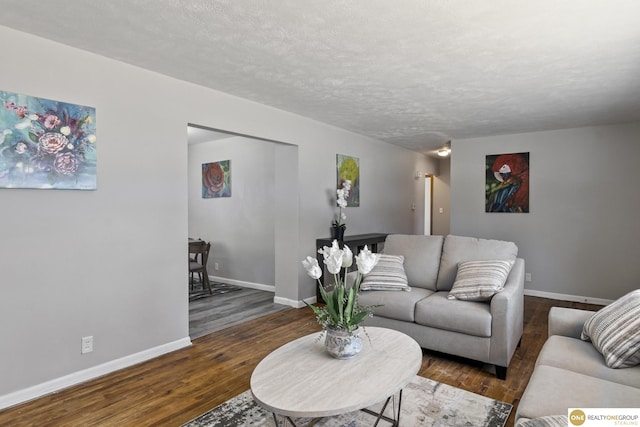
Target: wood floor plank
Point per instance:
(175, 388)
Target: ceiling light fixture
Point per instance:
(444, 152)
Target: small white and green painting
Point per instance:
(348, 168)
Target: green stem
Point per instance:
(339, 291)
(357, 284)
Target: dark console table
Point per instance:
(356, 243)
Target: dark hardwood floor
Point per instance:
(175, 388)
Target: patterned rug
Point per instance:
(217, 288)
(424, 403)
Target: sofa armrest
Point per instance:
(507, 312)
(567, 322)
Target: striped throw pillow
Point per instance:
(615, 331)
(547, 421)
(480, 280)
(387, 275)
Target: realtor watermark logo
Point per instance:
(603, 417)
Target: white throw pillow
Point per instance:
(615, 331)
(480, 280)
(387, 275)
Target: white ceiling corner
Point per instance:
(415, 73)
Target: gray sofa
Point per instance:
(486, 331)
(571, 373)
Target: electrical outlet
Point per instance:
(527, 277)
(87, 345)
(216, 266)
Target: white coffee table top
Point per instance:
(300, 379)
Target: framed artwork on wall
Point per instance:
(216, 179)
(46, 144)
(507, 183)
(348, 168)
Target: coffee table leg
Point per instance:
(395, 421)
(399, 408)
(380, 415)
(285, 419)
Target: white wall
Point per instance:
(582, 235)
(111, 263)
(241, 227)
(100, 263)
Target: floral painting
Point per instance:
(507, 183)
(216, 179)
(46, 144)
(348, 168)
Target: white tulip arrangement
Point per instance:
(342, 194)
(341, 310)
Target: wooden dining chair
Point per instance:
(193, 241)
(198, 264)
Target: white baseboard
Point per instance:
(310, 300)
(294, 303)
(564, 297)
(268, 288)
(243, 284)
(289, 302)
(75, 378)
(313, 300)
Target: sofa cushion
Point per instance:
(457, 249)
(580, 356)
(467, 317)
(615, 331)
(551, 391)
(548, 421)
(480, 280)
(394, 305)
(421, 257)
(387, 275)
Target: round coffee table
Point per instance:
(300, 379)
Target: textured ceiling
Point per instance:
(414, 72)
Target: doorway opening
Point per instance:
(428, 204)
(246, 228)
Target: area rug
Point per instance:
(424, 403)
(217, 288)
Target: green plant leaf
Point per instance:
(315, 309)
(359, 317)
(330, 304)
(351, 300)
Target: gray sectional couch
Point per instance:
(571, 373)
(487, 331)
